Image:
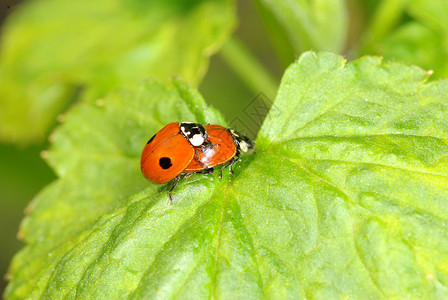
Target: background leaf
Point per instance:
(345, 196)
(416, 42)
(315, 24)
(21, 169)
(413, 31)
(54, 52)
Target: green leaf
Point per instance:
(434, 15)
(385, 16)
(54, 52)
(416, 43)
(96, 155)
(314, 24)
(364, 199)
(345, 196)
(413, 31)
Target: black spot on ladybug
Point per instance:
(150, 140)
(165, 163)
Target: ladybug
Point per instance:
(190, 148)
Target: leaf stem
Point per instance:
(251, 71)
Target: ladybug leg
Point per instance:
(197, 155)
(207, 171)
(209, 144)
(187, 175)
(172, 188)
(197, 158)
(229, 164)
(234, 160)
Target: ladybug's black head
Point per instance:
(242, 142)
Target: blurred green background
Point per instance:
(268, 39)
(22, 174)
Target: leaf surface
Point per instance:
(344, 197)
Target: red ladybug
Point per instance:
(190, 148)
(221, 146)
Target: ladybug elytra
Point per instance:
(190, 148)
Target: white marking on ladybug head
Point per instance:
(197, 140)
(242, 142)
(243, 146)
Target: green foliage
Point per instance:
(414, 31)
(54, 52)
(315, 24)
(344, 197)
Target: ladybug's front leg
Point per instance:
(206, 171)
(230, 163)
(172, 188)
(198, 160)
